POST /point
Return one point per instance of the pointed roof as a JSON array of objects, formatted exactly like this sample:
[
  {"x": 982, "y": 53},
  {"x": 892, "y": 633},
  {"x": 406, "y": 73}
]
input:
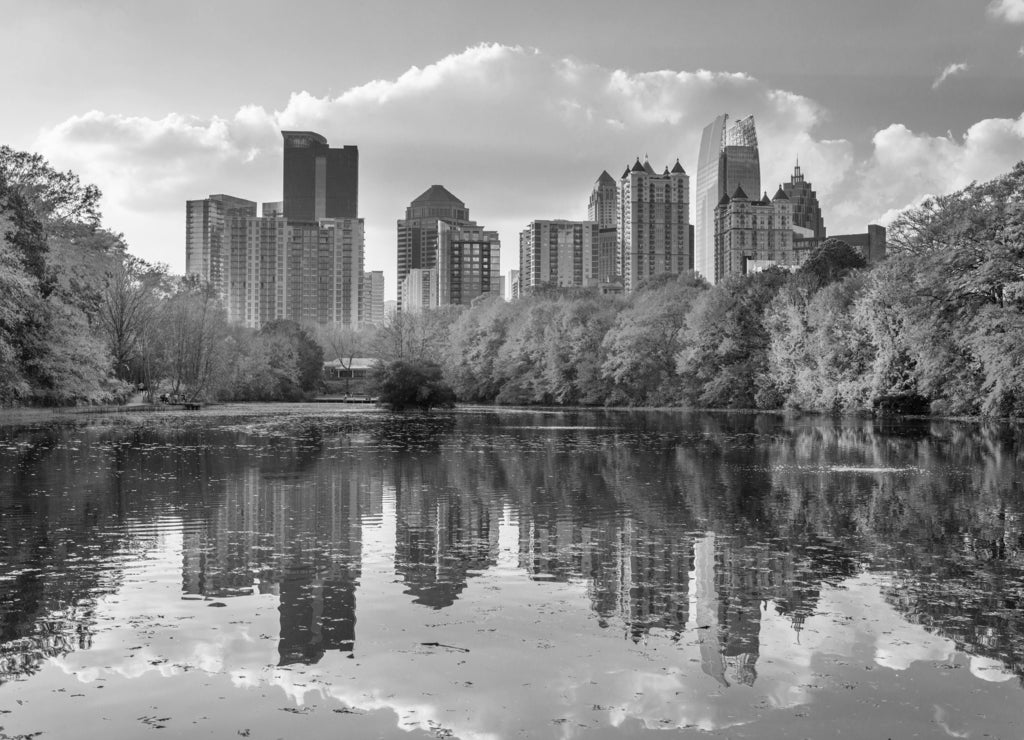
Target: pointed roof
[
  {"x": 780, "y": 194},
  {"x": 638, "y": 167},
  {"x": 666, "y": 170},
  {"x": 647, "y": 166},
  {"x": 678, "y": 168},
  {"x": 438, "y": 194},
  {"x": 605, "y": 179},
  {"x": 765, "y": 200},
  {"x": 626, "y": 173},
  {"x": 724, "y": 201},
  {"x": 739, "y": 193}
]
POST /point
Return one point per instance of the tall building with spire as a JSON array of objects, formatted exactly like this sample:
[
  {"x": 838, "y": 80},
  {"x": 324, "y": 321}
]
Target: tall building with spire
[
  {"x": 806, "y": 210},
  {"x": 653, "y": 223},
  {"x": 728, "y": 159}
]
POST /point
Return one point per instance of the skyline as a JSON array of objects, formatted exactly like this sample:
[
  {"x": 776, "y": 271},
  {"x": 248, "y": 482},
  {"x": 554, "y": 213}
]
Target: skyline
[{"x": 512, "y": 116}]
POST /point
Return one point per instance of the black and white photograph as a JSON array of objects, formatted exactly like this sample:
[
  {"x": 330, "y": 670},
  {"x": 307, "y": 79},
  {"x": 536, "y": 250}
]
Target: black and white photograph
[{"x": 512, "y": 369}]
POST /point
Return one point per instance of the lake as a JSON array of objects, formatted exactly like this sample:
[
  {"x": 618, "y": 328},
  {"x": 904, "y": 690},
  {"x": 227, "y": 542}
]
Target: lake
[{"x": 309, "y": 571}]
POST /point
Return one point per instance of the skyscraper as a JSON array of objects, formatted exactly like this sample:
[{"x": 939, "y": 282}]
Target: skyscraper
[
  {"x": 417, "y": 232},
  {"x": 371, "y": 310},
  {"x": 561, "y": 253},
  {"x": 206, "y": 238},
  {"x": 751, "y": 235},
  {"x": 806, "y": 210},
  {"x": 653, "y": 223},
  {"x": 319, "y": 182},
  {"x": 728, "y": 159},
  {"x": 468, "y": 263},
  {"x": 603, "y": 208}
]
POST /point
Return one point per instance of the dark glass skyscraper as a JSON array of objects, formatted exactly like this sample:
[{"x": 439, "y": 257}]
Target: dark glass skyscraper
[{"x": 319, "y": 182}]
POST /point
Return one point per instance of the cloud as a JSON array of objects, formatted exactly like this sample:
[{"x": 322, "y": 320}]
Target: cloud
[
  {"x": 1011, "y": 11},
  {"x": 949, "y": 71},
  {"x": 906, "y": 167},
  {"x": 517, "y": 133}
]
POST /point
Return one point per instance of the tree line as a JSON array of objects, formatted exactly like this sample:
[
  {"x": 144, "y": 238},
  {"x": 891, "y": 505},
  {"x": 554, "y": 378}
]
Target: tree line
[{"x": 941, "y": 320}]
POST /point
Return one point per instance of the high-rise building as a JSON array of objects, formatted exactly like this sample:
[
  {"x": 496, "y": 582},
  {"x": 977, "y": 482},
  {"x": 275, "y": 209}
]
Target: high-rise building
[
  {"x": 807, "y": 220},
  {"x": 513, "y": 285},
  {"x": 751, "y": 235},
  {"x": 560, "y": 253},
  {"x": 306, "y": 272},
  {"x": 372, "y": 308},
  {"x": 468, "y": 263},
  {"x": 603, "y": 209},
  {"x": 728, "y": 159},
  {"x": 417, "y": 232},
  {"x": 319, "y": 182},
  {"x": 653, "y": 223},
  {"x": 418, "y": 291},
  {"x": 206, "y": 238}
]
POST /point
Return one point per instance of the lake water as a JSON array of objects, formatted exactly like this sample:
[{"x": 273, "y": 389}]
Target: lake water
[{"x": 300, "y": 572}]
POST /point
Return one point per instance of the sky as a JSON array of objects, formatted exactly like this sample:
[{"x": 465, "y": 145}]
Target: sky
[{"x": 515, "y": 107}]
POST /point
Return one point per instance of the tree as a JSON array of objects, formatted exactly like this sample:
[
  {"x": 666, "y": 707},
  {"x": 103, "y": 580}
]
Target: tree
[
  {"x": 403, "y": 385},
  {"x": 127, "y": 308},
  {"x": 308, "y": 355},
  {"x": 55, "y": 197},
  {"x": 830, "y": 261}
]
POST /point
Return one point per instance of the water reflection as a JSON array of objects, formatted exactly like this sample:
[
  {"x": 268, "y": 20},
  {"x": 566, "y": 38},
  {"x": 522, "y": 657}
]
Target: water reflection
[{"x": 726, "y": 532}]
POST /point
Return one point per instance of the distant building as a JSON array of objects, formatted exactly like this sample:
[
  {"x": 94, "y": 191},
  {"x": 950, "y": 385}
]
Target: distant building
[
  {"x": 728, "y": 159},
  {"x": 418, "y": 291},
  {"x": 372, "y": 309},
  {"x": 306, "y": 272},
  {"x": 418, "y": 231},
  {"x": 206, "y": 237},
  {"x": 319, "y": 181},
  {"x": 468, "y": 263},
  {"x": 501, "y": 288},
  {"x": 751, "y": 235},
  {"x": 603, "y": 209},
  {"x": 560, "y": 253},
  {"x": 806, "y": 210},
  {"x": 513, "y": 282},
  {"x": 871, "y": 244},
  {"x": 653, "y": 223}
]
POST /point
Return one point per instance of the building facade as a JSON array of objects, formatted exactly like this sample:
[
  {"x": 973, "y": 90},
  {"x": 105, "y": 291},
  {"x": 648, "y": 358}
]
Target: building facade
[
  {"x": 319, "y": 181},
  {"x": 603, "y": 209},
  {"x": 418, "y": 291},
  {"x": 751, "y": 235},
  {"x": 653, "y": 223},
  {"x": 206, "y": 237},
  {"x": 305, "y": 272},
  {"x": 372, "y": 309},
  {"x": 728, "y": 159},
  {"x": 468, "y": 263},
  {"x": 559, "y": 253},
  {"x": 807, "y": 219},
  {"x": 418, "y": 231}
]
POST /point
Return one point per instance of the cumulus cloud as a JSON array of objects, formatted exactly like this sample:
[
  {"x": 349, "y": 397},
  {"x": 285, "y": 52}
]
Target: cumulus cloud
[
  {"x": 517, "y": 133},
  {"x": 906, "y": 167},
  {"x": 949, "y": 71},
  {"x": 1011, "y": 11}
]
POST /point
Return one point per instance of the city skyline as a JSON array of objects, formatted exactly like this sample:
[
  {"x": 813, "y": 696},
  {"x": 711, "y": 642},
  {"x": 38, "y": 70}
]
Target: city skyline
[{"x": 493, "y": 102}]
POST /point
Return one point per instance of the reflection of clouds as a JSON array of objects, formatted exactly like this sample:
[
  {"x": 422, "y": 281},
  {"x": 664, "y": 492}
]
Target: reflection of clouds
[{"x": 989, "y": 670}]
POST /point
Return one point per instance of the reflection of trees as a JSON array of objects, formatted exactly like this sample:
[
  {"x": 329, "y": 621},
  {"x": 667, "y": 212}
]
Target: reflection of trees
[{"x": 674, "y": 521}]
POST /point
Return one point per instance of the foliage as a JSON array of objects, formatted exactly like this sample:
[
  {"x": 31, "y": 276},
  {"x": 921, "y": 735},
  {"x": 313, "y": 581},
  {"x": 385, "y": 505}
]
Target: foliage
[
  {"x": 55, "y": 197},
  {"x": 403, "y": 385}
]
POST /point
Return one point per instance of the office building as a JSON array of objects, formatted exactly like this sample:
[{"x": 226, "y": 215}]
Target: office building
[
  {"x": 728, "y": 160},
  {"x": 206, "y": 237},
  {"x": 418, "y": 291},
  {"x": 372, "y": 307},
  {"x": 807, "y": 220},
  {"x": 558, "y": 253},
  {"x": 468, "y": 263},
  {"x": 417, "y": 232},
  {"x": 319, "y": 181},
  {"x": 603, "y": 209},
  {"x": 752, "y": 235},
  {"x": 653, "y": 223}
]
